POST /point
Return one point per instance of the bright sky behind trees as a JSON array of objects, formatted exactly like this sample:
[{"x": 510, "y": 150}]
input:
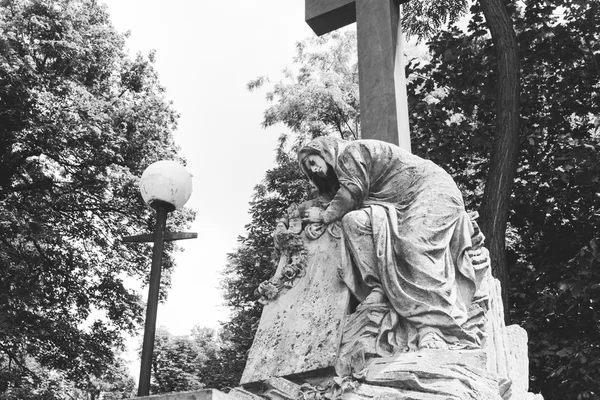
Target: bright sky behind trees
[{"x": 206, "y": 52}]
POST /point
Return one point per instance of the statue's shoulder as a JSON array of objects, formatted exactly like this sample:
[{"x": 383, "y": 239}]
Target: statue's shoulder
[{"x": 363, "y": 147}]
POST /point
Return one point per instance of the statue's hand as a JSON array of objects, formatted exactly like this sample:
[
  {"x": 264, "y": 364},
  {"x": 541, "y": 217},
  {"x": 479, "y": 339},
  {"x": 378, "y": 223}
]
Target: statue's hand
[
  {"x": 315, "y": 230},
  {"x": 313, "y": 215},
  {"x": 479, "y": 257}
]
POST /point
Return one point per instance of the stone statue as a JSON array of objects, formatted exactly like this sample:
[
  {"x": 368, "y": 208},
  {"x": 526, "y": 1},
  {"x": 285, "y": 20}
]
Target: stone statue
[
  {"x": 383, "y": 288},
  {"x": 410, "y": 251}
]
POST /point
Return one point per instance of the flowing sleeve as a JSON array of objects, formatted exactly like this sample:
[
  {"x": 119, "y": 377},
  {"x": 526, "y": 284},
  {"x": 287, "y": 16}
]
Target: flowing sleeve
[
  {"x": 353, "y": 169},
  {"x": 341, "y": 204}
]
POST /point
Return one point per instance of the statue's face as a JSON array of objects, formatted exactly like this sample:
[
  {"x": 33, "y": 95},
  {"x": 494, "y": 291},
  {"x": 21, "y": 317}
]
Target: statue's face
[{"x": 317, "y": 165}]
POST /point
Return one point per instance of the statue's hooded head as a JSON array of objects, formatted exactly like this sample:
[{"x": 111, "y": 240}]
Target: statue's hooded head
[{"x": 329, "y": 149}]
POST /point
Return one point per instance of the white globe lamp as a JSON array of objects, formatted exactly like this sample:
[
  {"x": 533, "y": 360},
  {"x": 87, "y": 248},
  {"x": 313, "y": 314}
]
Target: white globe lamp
[{"x": 167, "y": 182}]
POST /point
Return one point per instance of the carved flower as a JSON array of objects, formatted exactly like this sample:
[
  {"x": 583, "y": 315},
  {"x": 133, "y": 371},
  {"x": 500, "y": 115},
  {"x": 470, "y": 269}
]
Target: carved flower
[
  {"x": 268, "y": 291},
  {"x": 290, "y": 271}
]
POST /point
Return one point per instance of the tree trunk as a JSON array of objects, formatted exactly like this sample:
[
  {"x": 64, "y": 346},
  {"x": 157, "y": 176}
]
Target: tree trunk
[{"x": 504, "y": 157}]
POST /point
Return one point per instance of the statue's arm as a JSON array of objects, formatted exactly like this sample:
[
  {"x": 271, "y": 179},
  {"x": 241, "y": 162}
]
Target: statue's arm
[{"x": 341, "y": 204}]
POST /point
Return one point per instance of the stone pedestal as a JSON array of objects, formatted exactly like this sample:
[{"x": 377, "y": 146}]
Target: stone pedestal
[
  {"x": 204, "y": 394},
  {"x": 447, "y": 374},
  {"x": 506, "y": 346}
]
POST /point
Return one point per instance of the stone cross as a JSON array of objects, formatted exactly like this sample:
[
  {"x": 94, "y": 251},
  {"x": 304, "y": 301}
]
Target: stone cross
[{"x": 382, "y": 84}]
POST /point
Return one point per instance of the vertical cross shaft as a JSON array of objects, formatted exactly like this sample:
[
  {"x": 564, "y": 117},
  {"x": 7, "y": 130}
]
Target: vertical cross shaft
[{"x": 383, "y": 103}]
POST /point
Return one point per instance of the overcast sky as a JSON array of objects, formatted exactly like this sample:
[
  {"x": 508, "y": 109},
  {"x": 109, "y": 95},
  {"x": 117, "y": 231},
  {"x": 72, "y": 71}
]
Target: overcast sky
[{"x": 206, "y": 52}]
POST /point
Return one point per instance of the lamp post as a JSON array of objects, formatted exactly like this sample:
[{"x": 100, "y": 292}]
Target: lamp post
[{"x": 165, "y": 186}]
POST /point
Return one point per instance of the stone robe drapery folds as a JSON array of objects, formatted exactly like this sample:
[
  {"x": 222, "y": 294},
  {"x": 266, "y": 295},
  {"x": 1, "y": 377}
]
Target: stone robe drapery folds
[{"x": 407, "y": 234}]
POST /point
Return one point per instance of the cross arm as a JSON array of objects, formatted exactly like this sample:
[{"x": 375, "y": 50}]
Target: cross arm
[
  {"x": 324, "y": 16},
  {"x": 168, "y": 236}
]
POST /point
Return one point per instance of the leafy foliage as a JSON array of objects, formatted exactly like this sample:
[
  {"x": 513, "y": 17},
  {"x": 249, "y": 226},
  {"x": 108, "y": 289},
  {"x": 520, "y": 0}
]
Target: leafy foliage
[
  {"x": 425, "y": 18},
  {"x": 114, "y": 383},
  {"x": 79, "y": 121},
  {"x": 557, "y": 190},
  {"x": 180, "y": 363},
  {"x": 322, "y": 97}
]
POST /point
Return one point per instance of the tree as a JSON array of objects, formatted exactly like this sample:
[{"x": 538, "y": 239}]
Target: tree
[
  {"x": 187, "y": 362},
  {"x": 174, "y": 362},
  {"x": 79, "y": 121},
  {"x": 504, "y": 155},
  {"x": 322, "y": 98},
  {"x": 115, "y": 383},
  {"x": 555, "y": 211},
  {"x": 424, "y": 19}
]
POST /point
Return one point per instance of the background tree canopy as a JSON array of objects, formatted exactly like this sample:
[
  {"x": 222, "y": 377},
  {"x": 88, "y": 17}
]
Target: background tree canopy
[
  {"x": 79, "y": 122},
  {"x": 181, "y": 362},
  {"x": 552, "y": 237}
]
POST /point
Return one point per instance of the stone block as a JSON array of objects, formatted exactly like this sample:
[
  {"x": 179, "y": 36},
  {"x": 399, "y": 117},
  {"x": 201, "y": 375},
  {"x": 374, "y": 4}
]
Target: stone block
[
  {"x": 204, "y": 394},
  {"x": 496, "y": 341},
  {"x": 372, "y": 392},
  {"x": 280, "y": 389},
  {"x": 517, "y": 357},
  {"x": 532, "y": 396},
  {"x": 242, "y": 394},
  {"x": 427, "y": 358},
  {"x": 448, "y": 374},
  {"x": 301, "y": 329}
]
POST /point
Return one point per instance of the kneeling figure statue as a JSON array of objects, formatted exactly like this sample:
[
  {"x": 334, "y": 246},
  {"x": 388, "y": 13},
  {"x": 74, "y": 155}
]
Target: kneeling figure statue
[{"x": 408, "y": 245}]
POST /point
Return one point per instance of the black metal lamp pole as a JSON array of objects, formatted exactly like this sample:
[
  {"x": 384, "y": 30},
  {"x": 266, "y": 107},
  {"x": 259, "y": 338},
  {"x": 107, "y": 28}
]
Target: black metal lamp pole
[
  {"x": 158, "y": 237},
  {"x": 165, "y": 186},
  {"x": 155, "y": 272}
]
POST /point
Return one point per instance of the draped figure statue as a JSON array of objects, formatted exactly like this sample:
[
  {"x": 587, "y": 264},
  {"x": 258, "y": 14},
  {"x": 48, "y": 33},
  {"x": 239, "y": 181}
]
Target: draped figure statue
[{"x": 406, "y": 237}]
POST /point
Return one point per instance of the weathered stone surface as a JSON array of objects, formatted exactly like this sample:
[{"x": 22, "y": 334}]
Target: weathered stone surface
[
  {"x": 280, "y": 389},
  {"x": 517, "y": 358},
  {"x": 506, "y": 348},
  {"x": 300, "y": 330},
  {"x": 456, "y": 374},
  {"x": 380, "y": 115},
  {"x": 242, "y": 394},
  {"x": 359, "y": 341},
  {"x": 372, "y": 392},
  {"x": 411, "y": 243},
  {"x": 531, "y": 396},
  {"x": 434, "y": 357},
  {"x": 495, "y": 345},
  {"x": 205, "y": 394}
]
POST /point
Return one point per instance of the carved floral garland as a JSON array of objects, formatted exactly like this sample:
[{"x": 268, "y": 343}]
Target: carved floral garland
[{"x": 290, "y": 246}]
